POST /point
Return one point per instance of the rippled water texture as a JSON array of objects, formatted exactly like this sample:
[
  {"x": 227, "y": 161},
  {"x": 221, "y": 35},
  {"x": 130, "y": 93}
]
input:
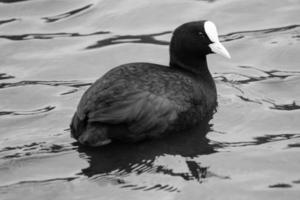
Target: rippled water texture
[{"x": 52, "y": 50}]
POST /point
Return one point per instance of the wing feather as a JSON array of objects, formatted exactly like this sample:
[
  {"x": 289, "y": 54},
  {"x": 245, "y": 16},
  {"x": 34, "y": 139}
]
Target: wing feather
[{"x": 142, "y": 111}]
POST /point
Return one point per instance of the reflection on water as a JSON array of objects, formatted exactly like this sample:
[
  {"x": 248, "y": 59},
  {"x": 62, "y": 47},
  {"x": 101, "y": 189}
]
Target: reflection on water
[
  {"x": 65, "y": 15},
  {"x": 260, "y": 140},
  {"x": 11, "y": 1},
  {"x": 140, "y": 159},
  {"x": 5, "y": 76},
  {"x": 48, "y": 35},
  {"x": 257, "y": 33},
  {"x": 114, "y": 163},
  {"x": 74, "y": 84},
  {"x": 7, "y": 21},
  {"x": 51, "y": 51},
  {"x": 32, "y": 112},
  {"x": 146, "y": 39},
  {"x": 241, "y": 79}
]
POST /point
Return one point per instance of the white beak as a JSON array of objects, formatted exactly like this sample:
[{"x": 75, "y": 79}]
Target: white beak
[{"x": 218, "y": 48}]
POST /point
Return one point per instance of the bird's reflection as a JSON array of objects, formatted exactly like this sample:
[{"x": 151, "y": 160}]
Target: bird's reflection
[{"x": 120, "y": 160}]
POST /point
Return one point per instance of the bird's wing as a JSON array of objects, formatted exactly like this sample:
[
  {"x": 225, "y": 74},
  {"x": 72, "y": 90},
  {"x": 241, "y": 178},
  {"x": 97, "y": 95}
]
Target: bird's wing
[{"x": 142, "y": 111}]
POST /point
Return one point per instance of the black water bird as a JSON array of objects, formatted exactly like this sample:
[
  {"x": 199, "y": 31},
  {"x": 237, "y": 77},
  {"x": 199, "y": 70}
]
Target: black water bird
[{"x": 136, "y": 101}]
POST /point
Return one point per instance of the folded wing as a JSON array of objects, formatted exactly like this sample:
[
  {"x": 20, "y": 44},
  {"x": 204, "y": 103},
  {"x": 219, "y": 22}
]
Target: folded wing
[{"x": 142, "y": 111}]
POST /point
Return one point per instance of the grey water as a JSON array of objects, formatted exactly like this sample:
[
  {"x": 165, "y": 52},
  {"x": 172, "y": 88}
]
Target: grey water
[{"x": 51, "y": 51}]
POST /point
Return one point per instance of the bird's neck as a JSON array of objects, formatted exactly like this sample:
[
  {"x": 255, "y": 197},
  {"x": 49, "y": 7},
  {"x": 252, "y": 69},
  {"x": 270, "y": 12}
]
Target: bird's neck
[
  {"x": 204, "y": 84},
  {"x": 197, "y": 66}
]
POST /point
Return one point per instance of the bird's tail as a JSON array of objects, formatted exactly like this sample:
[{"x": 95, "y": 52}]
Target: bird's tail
[{"x": 77, "y": 126}]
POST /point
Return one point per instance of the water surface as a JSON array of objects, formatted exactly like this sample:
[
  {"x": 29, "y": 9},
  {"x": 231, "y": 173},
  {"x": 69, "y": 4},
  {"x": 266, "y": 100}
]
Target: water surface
[{"x": 51, "y": 51}]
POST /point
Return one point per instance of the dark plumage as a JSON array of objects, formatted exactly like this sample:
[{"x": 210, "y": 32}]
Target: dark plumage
[{"x": 143, "y": 100}]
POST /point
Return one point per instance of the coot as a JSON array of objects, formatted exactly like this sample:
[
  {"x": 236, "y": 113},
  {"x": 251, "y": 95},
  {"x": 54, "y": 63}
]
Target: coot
[{"x": 135, "y": 101}]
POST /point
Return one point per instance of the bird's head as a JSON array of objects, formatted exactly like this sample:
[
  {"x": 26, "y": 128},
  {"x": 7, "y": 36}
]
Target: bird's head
[{"x": 194, "y": 40}]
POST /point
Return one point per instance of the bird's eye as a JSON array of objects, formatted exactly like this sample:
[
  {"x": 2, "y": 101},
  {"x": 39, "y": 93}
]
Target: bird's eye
[{"x": 201, "y": 35}]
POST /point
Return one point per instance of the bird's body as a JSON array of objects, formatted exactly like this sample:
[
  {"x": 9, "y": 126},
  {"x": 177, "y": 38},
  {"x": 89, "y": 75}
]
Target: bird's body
[
  {"x": 148, "y": 100},
  {"x": 143, "y": 100}
]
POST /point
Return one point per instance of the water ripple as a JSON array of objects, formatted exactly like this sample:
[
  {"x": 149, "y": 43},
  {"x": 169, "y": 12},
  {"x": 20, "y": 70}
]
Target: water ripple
[
  {"x": 166, "y": 187},
  {"x": 258, "y": 140},
  {"x": 242, "y": 34},
  {"x": 34, "y": 149},
  {"x": 280, "y": 185},
  {"x": 210, "y": 1},
  {"x": 150, "y": 38},
  {"x": 235, "y": 80},
  {"x": 44, "y": 36},
  {"x": 5, "y": 76},
  {"x": 246, "y": 79},
  {"x": 294, "y": 145},
  {"x": 66, "y": 14},
  {"x": 146, "y": 39},
  {"x": 11, "y": 1},
  {"x": 285, "y": 107},
  {"x": 7, "y": 21},
  {"x": 31, "y": 112},
  {"x": 111, "y": 179},
  {"x": 21, "y": 183},
  {"x": 26, "y": 146},
  {"x": 75, "y": 83}
]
